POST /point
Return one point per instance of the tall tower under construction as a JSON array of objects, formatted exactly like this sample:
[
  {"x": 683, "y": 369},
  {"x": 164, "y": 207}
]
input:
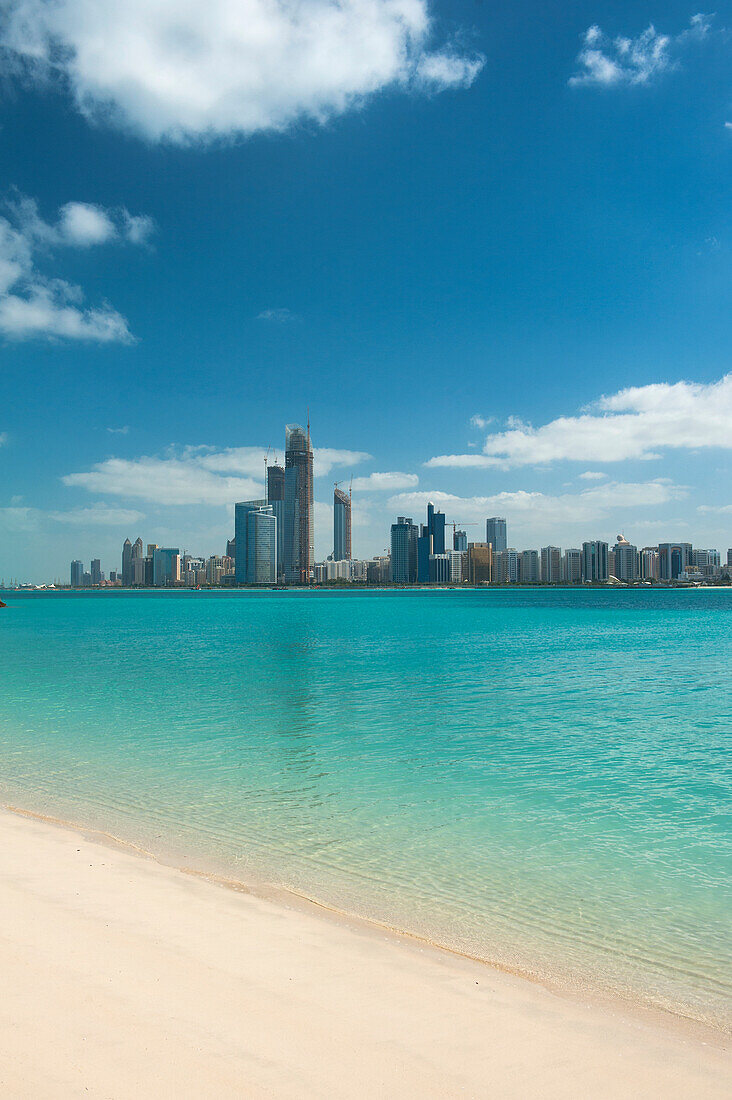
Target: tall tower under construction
[
  {"x": 341, "y": 525},
  {"x": 299, "y": 547}
]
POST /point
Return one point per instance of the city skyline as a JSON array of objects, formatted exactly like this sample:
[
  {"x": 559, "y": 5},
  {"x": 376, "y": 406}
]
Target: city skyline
[{"x": 492, "y": 259}]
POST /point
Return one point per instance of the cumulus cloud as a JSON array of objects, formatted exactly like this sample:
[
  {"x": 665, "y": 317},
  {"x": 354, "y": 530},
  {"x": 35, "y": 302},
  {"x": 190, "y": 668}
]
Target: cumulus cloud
[
  {"x": 98, "y": 515},
  {"x": 35, "y": 305},
  {"x": 538, "y": 508},
  {"x": 716, "y": 509},
  {"x": 389, "y": 480},
  {"x": 195, "y": 474},
  {"x": 613, "y": 61},
  {"x": 634, "y": 423},
  {"x": 200, "y": 72},
  {"x": 592, "y": 475}
]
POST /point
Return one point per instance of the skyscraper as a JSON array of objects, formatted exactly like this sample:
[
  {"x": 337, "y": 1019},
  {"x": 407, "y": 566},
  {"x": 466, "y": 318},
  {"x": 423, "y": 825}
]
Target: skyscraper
[
  {"x": 594, "y": 562},
  {"x": 341, "y": 525},
  {"x": 96, "y": 571},
  {"x": 572, "y": 566},
  {"x": 166, "y": 566},
  {"x": 673, "y": 558},
  {"x": 495, "y": 533},
  {"x": 127, "y": 563},
  {"x": 626, "y": 560},
  {"x": 77, "y": 573},
  {"x": 256, "y": 542},
  {"x": 276, "y": 500},
  {"x": 551, "y": 564},
  {"x": 460, "y": 541},
  {"x": 403, "y": 551},
  {"x": 299, "y": 549}
]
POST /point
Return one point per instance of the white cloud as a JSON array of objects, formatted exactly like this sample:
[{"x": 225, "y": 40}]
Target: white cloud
[
  {"x": 592, "y": 475},
  {"x": 32, "y": 304},
  {"x": 119, "y": 431},
  {"x": 480, "y": 421},
  {"x": 192, "y": 72},
  {"x": 18, "y": 519},
  {"x": 98, "y": 515},
  {"x": 194, "y": 475},
  {"x": 632, "y": 424},
  {"x": 720, "y": 510},
  {"x": 325, "y": 458},
  {"x": 3, "y": 438},
  {"x": 389, "y": 480},
  {"x": 624, "y": 60},
  {"x": 168, "y": 480},
  {"x": 543, "y": 509},
  {"x": 280, "y": 315}
]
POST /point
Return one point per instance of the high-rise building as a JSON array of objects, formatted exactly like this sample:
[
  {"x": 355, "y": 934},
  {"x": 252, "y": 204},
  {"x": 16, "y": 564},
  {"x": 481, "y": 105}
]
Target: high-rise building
[
  {"x": 341, "y": 525},
  {"x": 431, "y": 541},
  {"x": 495, "y": 533},
  {"x": 404, "y": 551},
  {"x": 137, "y": 551},
  {"x": 276, "y": 500},
  {"x": 77, "y": 573},
  {"x": 440, "y": 568},
  {"x": 256, "y": 542},
  {"x": 626, "y": 560},
  {"x": 479, "y": 569},
  {"x": 299, "y": 548},
  {"x": 126, "y": 563},
  {"x": 594, "y": 562},
  {"x": 673, "y": 558},
  {"x": 572, "y": 566},
  {"x": 460, "y": 541},
  {"x": 551, "y": 565},
  {"x": 708, "y": 562},
  {"x": 231, "y": 549},
  {"x": 436, "y": 528},
  {"x": 96, "y": 571},
  {"x": 648, "y": 563},
  {"x": 166, "y": 566},
  {"x": 529, "y": 570}
]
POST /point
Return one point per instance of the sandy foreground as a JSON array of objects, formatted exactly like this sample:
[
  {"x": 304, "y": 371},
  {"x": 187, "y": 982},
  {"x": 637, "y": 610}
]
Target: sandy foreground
[{"x": 125, "y": 978}]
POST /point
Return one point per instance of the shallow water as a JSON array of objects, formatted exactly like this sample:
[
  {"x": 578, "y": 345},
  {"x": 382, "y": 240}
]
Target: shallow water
[{"x": 537, "y": 777}]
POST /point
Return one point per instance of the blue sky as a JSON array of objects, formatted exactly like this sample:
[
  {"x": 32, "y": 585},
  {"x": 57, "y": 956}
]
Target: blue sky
[{"x": 457, "y": 233}]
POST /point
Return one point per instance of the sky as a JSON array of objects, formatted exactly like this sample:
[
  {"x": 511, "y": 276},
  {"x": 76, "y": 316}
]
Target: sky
[{"x": 486, "y": 246}]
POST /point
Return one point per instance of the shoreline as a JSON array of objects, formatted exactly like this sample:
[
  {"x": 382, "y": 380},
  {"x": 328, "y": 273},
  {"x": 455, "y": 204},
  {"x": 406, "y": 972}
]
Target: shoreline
[
  {"x": 149, "y": 907},
  {"x": 630, "y": 1004}
]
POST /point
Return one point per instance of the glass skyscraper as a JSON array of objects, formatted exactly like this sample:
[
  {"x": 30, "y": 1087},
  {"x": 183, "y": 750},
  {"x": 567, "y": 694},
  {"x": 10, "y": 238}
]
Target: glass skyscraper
[
  {"x": 255, "y": 527},
  {"x": 404, "y": 551},
  {"x": 299, "y": 548},
  {"x": 495, "y": 533},
  {"x": 341, "y": 525},
  {"x": 276, "y": 500}
]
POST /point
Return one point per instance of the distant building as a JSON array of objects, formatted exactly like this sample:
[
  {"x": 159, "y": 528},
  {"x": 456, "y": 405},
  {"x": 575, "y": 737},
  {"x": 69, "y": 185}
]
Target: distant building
[
  {"x": 551, "y": 565},
  {"x": 96, "y": 571},
  {"x": 495, "y": 533},
  {"x": 276, "y": 500},
  {"x": 256, "y": 543},
  {"x": 404, "y": 551},
  {"x": 707, "y": 562},
  {"x": 166, "y": 566},
  {"x": 479, "y": 565},
  {"x": 457, "y": 558},
  {"x": 572, "y": 566},
  {"x": 511, "y": 568},
  {"x": 77, "y": 574},
  {"x": 231, "y": 549},
  {"x": 626, "y": 565},
  {"x": 673, "y": 558},
  {"x": 529, "y": 572},
  {"x": 126, "y": 563},
  {"x": 378, "y": 570},
  {"x": 439, "y": 568},
  {"x": 648, "y": 563},
  {"x": 460, "y": 541},
  {"x": 341, "y": 525},
  {"x": 594, "y": 562},
  {"x": 86, "y": 580},
  {"x": 299, "y": 553}
]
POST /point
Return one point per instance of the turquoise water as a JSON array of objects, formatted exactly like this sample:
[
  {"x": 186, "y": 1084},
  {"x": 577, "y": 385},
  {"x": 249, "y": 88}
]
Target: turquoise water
[{"x": 540, "y": 778}]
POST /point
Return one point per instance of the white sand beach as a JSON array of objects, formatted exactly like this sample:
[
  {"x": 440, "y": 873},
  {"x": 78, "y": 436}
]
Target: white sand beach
[{"x": 126, "y": 978}]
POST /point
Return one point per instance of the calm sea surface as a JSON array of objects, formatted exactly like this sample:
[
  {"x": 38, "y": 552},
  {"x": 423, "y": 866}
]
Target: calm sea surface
[{"x": 538, "y": 777}]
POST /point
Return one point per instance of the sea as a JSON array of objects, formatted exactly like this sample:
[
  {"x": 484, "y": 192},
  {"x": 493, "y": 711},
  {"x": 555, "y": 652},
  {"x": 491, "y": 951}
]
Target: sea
[{"x": 539, "y": 778}]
